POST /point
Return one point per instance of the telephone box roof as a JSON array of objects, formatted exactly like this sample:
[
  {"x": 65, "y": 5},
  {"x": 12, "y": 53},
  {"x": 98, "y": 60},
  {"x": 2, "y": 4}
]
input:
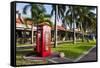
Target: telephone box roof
[{"x": 44, "y": 23}]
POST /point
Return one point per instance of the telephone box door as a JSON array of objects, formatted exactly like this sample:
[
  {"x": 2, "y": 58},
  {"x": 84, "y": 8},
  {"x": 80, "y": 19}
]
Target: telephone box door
[{"x": 43, "y": 41}]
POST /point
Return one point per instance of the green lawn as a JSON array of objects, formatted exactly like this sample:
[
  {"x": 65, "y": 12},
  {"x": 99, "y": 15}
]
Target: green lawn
[
  {"x": 73, "y": 51},
  {"x": 70, "y": 50}
]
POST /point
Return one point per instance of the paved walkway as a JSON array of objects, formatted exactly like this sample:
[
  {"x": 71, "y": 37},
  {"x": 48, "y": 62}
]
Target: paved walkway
[
  {"x": 53, "y": 58},
  {"x": 91, "y": 56}
]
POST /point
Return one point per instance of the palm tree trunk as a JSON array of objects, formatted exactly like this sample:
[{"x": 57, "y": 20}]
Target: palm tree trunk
[
  {"x": 55, "y": 27},
  {"x": 74, "y": 36},
  {"x": 32, "y": 35},
  {"x": 73, "y": 20},
  {"x": 82, "y": 36},
  {"x": 82, "y": 33}
]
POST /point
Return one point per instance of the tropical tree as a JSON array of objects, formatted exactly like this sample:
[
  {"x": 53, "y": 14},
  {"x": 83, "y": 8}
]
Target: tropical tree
[
  {"x": 71, "y": 17},
  {"x": 81, "y": 16},
  {"x": 37, "y": 14},
  {"x": 86, "y": 19},
  {"x": 58, "y": 12}
]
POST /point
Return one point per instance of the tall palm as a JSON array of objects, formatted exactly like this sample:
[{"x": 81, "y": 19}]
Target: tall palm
[
  {"x": 36, "y": 11},
  {"x": 86, "y": 18},
  {"x": 59, "y": 13},
  {"x": 71, "y": 17},
  {"x": 82, "y": 16}
]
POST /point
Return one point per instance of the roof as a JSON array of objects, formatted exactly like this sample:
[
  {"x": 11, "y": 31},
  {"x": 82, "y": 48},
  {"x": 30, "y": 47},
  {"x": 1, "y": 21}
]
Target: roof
[
  {"x": 20, "y": 22},
  {"x": 59, "y": 28},
  {"x": 44, "y": 23}
]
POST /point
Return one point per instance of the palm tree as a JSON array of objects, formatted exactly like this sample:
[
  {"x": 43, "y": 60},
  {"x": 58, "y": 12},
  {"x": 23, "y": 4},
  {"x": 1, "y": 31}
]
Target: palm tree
[
  {"x": 82, "y": 16},
  {"x": 59, "y": 14},
  {"x": 71, "y": 17},
  {"x": 36, "y": 11},
  {"x": 86, "y": 18}
]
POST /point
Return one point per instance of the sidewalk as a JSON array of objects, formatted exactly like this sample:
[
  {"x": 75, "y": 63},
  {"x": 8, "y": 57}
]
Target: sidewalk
[
  {"x": 91, "y": 56},
  {"x": 53, "y": 58}
]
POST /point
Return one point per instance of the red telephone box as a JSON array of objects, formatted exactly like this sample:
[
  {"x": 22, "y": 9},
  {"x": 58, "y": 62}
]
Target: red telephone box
[{"x": 43, "y": 40}]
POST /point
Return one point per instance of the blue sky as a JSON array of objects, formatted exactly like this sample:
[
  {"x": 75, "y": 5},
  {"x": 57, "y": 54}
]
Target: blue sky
[{"x": 20, "y": 6}]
